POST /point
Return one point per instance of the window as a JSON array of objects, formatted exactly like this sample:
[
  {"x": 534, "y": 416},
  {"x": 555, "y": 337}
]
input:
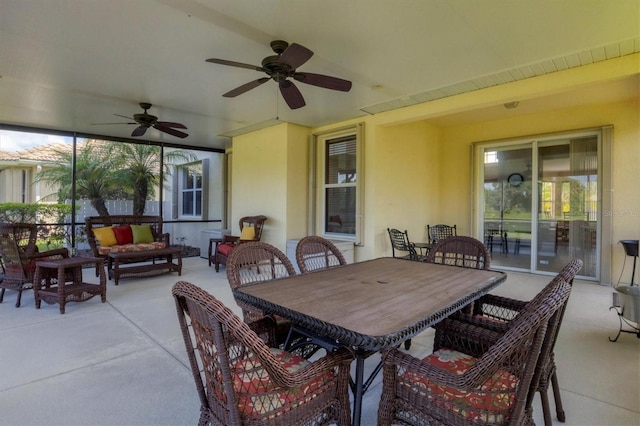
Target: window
[
  {"x": 547, "y": 199},
  {"x": 340, "y": 185},
  {"x": 339, "y": 173},
  {"x": 191, "y": 189},
  {"x": 490, "y": 157},
  {"x": 23, "y": 186}
]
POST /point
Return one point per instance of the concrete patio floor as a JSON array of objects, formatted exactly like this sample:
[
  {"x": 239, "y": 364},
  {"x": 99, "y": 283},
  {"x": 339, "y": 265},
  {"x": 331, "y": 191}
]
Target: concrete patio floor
[{"x": 124, "y": 363}]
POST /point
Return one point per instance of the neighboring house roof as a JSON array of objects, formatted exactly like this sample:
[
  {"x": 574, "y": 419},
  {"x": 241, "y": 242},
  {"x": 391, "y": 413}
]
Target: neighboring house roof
[{"x": 43, "y": 153}]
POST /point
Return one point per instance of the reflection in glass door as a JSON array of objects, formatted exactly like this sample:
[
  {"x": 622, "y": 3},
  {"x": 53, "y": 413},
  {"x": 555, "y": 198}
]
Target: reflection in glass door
[
  {"x": 564, "y": 224},
  {"x": 507, "y": 206},
  {"x": 568, "y": 204}
]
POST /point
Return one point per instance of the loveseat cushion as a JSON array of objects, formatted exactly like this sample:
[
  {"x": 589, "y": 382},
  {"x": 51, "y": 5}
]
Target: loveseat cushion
[{"x": 156, "y": 245}]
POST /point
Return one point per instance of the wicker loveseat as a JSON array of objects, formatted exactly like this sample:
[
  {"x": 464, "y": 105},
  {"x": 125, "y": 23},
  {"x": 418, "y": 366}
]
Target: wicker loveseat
[{"x": 132, "y": 239}]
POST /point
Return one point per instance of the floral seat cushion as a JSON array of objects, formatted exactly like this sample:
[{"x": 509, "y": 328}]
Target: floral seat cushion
[
  {"x": 259, "y": 396},
  {"x": 157, "y": 245},
  {"x": 490, "y": 403}
]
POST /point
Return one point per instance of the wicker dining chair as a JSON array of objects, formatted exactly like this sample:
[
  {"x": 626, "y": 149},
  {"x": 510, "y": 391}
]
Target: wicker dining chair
[
  {"x": 439, "y": 232},
  {"x": 453, "y": 387},
  {"x": 240, "y": 380},
  {"x": 400, "y": 243},
  {"x": 466, "y": 252},
  {"x": 19, "y": 254},
  {"x": 496, "y": 313},
  {"x": 314, "y": 252},
  {"x": 460, "y": 251},
  {"x": 254, "y": 262}
]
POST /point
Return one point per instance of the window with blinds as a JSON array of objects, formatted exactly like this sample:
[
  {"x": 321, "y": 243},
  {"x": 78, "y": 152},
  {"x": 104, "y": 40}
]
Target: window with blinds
[{"x": 340, "y": 190}]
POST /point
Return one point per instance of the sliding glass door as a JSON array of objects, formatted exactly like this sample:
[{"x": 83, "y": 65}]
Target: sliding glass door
[
  {"x": 539, "y": 203},
  {"x": 508, "y": 201}
]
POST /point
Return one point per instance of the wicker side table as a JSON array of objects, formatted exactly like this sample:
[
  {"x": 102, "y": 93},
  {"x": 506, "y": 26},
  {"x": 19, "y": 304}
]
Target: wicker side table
[{"x": 69, "y": 287}]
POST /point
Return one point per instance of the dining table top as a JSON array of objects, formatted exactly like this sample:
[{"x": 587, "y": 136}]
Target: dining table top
[{"x": 373, "y": 304}]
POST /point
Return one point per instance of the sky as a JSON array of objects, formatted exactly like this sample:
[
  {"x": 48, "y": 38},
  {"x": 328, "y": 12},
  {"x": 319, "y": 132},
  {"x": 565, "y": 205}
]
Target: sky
[{"x": 18, "y": 141}]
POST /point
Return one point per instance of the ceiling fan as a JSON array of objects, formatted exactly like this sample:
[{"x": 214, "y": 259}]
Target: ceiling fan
[
  {"x": 145, "y": 120},
  {"x": 280, "y": 68}
]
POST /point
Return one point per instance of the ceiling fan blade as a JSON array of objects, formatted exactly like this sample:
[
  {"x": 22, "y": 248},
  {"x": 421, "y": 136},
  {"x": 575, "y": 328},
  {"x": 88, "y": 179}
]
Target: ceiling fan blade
[
  {"x": 124, "y": 116},
  {"x": 170, "y": 124},
  {"x": 101, "y": 124},
  {"x": 295, "y": 55},
  {"x": 324, "y": 81},
  {"x": 291, "y": 95},
  {"x": 246, "y": 87},
  {"x": 234, "y": 64},
  {"x": 139, "y": 131},
  {"x": 169, "y": 130}
]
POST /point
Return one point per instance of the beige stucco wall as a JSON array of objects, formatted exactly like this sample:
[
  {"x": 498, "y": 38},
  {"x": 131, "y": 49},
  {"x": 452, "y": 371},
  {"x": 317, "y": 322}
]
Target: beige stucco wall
[
  {"x": 297, "y": 170},
  {"x": 403, "y": 188},
  {"x": 417, "y": 160},
  {"x": 270, "y": 177}
]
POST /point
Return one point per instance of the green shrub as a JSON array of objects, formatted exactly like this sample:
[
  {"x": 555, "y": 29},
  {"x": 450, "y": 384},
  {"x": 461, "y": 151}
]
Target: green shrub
[{"x": 52, "y": 233}]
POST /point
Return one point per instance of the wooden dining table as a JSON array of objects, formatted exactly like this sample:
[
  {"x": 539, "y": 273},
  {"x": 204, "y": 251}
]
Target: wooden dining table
[{"x": 372, "y": 305}]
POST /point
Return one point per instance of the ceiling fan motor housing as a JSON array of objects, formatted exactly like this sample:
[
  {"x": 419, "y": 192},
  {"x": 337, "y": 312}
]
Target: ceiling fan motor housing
[
  {"x": 145, "y": 120},
  {"x": 276, "y": 70}
]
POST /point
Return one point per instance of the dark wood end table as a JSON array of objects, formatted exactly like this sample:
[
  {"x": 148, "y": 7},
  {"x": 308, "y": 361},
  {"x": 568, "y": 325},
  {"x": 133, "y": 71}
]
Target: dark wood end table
[
  {"x": 69, "y": 286},
  {"x": 213, "y": 247}
]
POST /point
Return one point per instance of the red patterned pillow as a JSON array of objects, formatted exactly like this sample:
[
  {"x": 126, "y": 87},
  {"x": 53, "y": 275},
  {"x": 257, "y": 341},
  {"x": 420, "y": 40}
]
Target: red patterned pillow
[
  {"x": 123, "y": 234},
  {"x": 257, "y": 394},
  {"x": 490, "y": 403}
]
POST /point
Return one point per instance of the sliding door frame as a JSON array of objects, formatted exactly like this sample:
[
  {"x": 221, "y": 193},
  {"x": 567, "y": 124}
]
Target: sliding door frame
[{"x": 604, "y": 220}]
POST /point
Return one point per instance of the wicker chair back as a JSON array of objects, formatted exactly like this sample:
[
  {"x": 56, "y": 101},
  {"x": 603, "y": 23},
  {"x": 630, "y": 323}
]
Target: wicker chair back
[
  {"x": 254, "y": 262},
  {"x": 314, "y": 252},
  {"x": 460, "y": 251}
]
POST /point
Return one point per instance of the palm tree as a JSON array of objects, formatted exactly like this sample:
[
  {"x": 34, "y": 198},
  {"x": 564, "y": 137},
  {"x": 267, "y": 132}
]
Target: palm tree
[
  {"x": 96, "y": 176},
  {"x": 140, "y": 173}
]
